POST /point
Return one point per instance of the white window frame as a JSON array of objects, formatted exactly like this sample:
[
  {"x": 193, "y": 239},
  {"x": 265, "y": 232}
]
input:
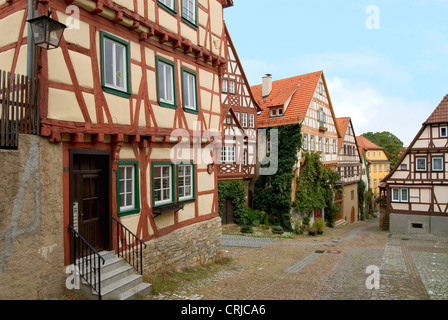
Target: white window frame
[
  {"x": 335, "y": 146},
  {"x": 443, "y": 134},
  {"x": 189, "y": 11},
  {"x": 327, "y": 145},
  {"x": 232, "y": 87},
  {"x": 115, "y": 45},
  {"x": 224, "y": 86},
  {"x": 312, "y": 143},
  {"x": 244, "y": 120},
  {"x": 165, "y": 82},
  {"x": 417, "y": 164},
  {"x": 162, "y": 177},
  {"x": 228, "y": 154},
  {"x": 182, "y": 182},
  {"x": 124, "y": 192},
  {"x": 442, "y": 160},
  {"x": 251, "y": 121},
  {"x": 189, "y": 89},
  {"x": 400, "y": 195},
  {"x": 305, "y": 142},
  {"x": 169, "y": 4}
]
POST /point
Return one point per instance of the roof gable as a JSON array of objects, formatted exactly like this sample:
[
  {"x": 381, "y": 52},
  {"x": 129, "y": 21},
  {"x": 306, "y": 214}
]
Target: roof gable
[
  {"x": 297, "y": 92},
  {"x": 440, "y": 114}
]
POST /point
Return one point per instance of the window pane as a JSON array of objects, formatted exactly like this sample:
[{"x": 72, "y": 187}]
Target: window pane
[
  {"x": 395, "y": 195},
  {"x": 120, "y": 67},
  {"x": 421, "y": 164},
  {"x": 404, "y": 195},
  {"x": 437, "y": 164},
  {"x": 108, "y": 62}
]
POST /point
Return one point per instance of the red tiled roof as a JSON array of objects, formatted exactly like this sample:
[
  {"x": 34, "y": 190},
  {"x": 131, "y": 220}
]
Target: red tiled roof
[
  {"x": 440, "y": 114},
  {"x": 342, "y": 124},
  {"x": 367, "y": 144},
  {"x": 300, "y": 89}
]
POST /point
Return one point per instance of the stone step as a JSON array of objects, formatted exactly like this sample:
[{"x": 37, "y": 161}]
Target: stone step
[{"x": 118, "y": 280}]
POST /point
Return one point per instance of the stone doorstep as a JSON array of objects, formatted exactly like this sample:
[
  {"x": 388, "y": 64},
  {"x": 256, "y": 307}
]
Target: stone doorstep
[{"x": 118, "y": 280}]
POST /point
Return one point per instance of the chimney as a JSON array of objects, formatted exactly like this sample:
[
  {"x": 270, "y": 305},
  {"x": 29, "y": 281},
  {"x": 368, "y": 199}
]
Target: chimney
[{"x": 267, "y": 85}]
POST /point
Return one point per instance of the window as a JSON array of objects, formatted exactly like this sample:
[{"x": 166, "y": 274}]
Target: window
[
  {"x": 273, "y": 112},
  {"x": 228, "y": 154},
  {"x": 305, "y": 142},
  {"x": 437, "y": 163},
  {"x": 400, "y": 195},
  {"x": 244, "y": 120},
  {"x": 162, "y": 183},
  {"x": 115, "y": 65},
  {"x": 128, "y": 195},
  {"x": 321, "y": 117},
  {"x": 380, "y": 154},
  {"x": 320, "y": 144},
  {"x": 185, "y": 182},
  {"x": 245, "y": 158},
  {"x": 280, "y": 112},
  {"x": 189, "y": 12},
  {"x": 380, "y": 167},
  {"x": 170, "y": 5},
  {"x": 165, "y": 83},
  {"x": 224, "y": 86},
  {"x": 237, "y": 115},
  {"x": 374, "y": 168},
  {"x": 374, "y": 154},
  {"x": 231, "y": 86},
  {"x": 368, "y": 154},
  {"x": 443, "y": 132},
  {"x": 189, "y": 91},
  {"x": 312, "y": 144},
  {"x": 335, "y": 146},
  {"x": 404, "y": 167},
  {"x": 251, "y": 121},
  {"x": 420, "y": 164}
]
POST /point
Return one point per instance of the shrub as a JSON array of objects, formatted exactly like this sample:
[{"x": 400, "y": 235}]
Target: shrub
[{"x": 319, "y": 224}]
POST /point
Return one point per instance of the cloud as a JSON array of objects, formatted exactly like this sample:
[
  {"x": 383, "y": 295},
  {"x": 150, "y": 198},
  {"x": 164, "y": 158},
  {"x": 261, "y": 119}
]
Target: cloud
[{"x": 372, "y": 111}]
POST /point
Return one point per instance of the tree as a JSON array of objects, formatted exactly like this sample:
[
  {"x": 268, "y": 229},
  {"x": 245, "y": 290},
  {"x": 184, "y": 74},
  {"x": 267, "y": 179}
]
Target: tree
[{"x": 389, "y": 142}]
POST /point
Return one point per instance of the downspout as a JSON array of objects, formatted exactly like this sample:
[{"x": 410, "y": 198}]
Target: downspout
[{"x": 31, "y": 72}]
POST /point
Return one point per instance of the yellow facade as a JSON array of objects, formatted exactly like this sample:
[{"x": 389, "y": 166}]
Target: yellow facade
[{"x": 379, "y": 168}]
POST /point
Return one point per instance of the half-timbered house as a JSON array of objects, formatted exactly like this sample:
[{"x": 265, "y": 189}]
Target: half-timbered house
[
  {"x": 129, "y": 105},
  {"x": 303, "y": 99},
  {"x": 349, "y": 168},
  {"x": 238, "y": 156},
  {"x": 417, "y": 187}
]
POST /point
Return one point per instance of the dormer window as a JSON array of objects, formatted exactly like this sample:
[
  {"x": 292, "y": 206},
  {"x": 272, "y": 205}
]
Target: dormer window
[
  {"x": 280, "y": 112},
  {"x": 273, "y": 112}
]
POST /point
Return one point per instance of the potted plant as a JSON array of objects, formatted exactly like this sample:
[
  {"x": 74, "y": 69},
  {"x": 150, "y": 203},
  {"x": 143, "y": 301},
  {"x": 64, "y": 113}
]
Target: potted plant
[
  {"x": 277, "y": 230},
  {"x": 311, "y": 230},
  {"x": 319, "y": 225},
  {"x": 305, "y": 223}
]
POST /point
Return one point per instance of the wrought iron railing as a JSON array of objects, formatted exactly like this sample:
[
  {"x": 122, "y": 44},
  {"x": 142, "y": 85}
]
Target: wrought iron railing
[
  {"x": 87, "y": 261},
  {"x": 129, "y": 246},
  {"x": 19, "y": 108}
]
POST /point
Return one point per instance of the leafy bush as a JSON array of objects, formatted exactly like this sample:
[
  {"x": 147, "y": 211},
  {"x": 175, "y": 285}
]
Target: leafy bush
[{"x": 319, "y": 224}]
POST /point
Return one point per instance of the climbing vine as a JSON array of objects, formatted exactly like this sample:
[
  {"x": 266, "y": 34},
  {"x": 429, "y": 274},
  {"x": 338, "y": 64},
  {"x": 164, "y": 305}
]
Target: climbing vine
[
  {"x": 273, "y": 193},
  {"x": 316, "y": 186},
  {"x": 233, "y": 190}
]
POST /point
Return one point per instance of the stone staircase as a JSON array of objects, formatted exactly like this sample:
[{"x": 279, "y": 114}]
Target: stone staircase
[
  {"x": 386, "y": 223},
  {"x": 119, "y": 281},
  {"x": 340, "y": 222}
]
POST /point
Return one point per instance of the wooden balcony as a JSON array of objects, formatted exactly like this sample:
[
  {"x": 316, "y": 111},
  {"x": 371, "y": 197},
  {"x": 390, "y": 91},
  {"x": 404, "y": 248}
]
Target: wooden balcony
[{"x": 19, "y": 108}]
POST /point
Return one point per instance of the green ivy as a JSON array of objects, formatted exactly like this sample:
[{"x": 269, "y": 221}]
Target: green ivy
[
  {"x": 316, "y": 186},
  {"x": 234, "y": 190},
  {"x": 273, "y": 193}
]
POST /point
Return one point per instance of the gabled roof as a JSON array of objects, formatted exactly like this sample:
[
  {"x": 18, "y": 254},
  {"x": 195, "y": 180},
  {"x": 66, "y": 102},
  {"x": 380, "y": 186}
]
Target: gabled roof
[
  {"x": 299, "y": 89},
  {"x": 366, "y": 144},
  {"x": 342, "y": 124},
  {"x": 440, "y": 114}
]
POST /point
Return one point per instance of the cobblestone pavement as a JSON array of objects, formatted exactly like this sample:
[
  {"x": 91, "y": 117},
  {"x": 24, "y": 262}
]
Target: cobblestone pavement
[{"x": 333, "y": 266}]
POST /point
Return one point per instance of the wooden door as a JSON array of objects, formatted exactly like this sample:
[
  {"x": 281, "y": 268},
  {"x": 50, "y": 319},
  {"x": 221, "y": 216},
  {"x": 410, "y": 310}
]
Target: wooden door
[
  {"x": 90, "y": 198},
  {"x": 227, "y": 214}
]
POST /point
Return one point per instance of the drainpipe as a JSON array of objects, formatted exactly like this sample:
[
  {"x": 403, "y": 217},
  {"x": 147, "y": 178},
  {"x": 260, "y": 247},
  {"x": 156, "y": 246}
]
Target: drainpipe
[{"x": 31, "y": 72}]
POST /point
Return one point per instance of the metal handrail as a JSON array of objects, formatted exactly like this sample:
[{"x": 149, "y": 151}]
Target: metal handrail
[
  {"x": 89, "y": 261},
  {"x": 129, "y": 241}
]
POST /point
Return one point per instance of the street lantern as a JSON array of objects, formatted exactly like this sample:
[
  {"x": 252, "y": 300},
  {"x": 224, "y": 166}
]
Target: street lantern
[{"x": 47, "y": 33}]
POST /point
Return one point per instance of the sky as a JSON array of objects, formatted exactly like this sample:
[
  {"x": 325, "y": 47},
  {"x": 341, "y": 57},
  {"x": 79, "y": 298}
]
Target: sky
[{"x": 385, "y": 62}]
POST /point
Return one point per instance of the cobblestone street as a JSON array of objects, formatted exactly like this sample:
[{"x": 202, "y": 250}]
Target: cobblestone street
[{"x": 331, "y": 267}]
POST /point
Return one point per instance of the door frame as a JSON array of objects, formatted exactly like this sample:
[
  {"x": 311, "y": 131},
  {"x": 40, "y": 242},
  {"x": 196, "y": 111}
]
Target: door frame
[{"x": 107, "y": 224}]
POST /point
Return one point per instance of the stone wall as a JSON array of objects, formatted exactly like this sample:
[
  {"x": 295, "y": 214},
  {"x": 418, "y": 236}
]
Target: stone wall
[
  {"x": 189, "y": 247},
  {"x": 31, "y": 220}
]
